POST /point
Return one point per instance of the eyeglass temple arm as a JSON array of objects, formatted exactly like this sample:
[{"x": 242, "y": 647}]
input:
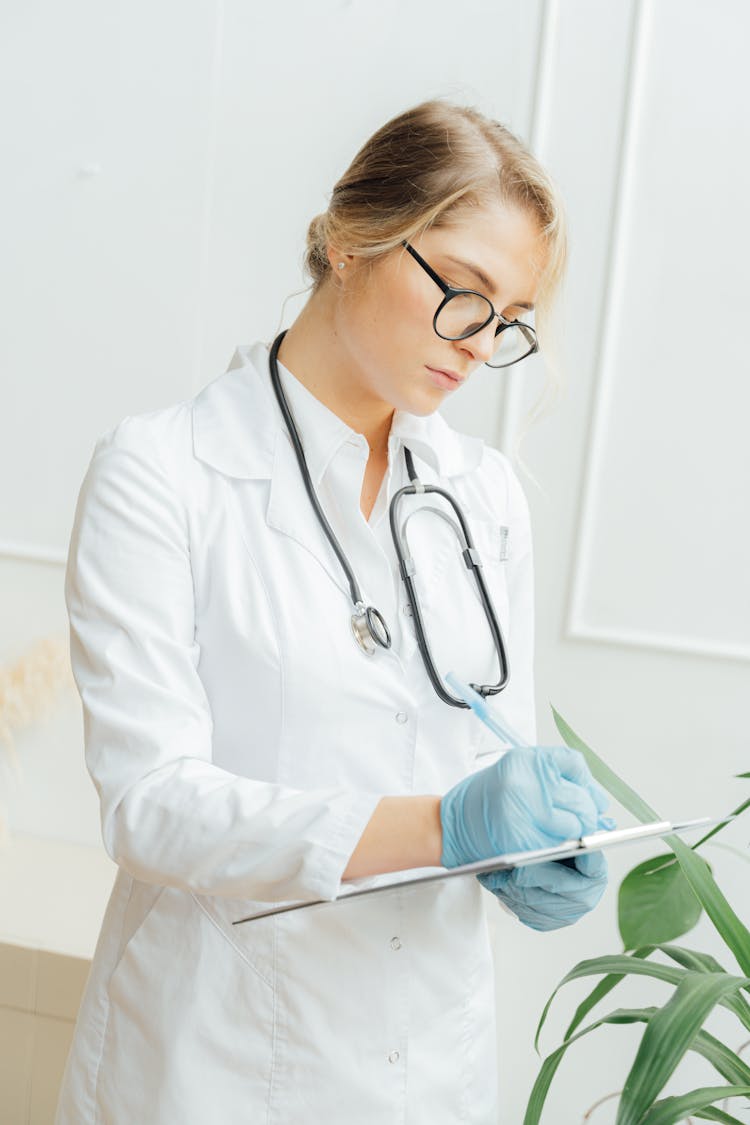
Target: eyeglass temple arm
[{"x": 426, "y": 266}]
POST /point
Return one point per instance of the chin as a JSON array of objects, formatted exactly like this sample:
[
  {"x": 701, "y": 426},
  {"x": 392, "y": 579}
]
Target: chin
[{"x": 424, "y": 405}]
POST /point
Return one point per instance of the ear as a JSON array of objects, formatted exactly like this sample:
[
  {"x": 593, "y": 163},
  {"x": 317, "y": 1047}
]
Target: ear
[{"x": 335, "y": 256}]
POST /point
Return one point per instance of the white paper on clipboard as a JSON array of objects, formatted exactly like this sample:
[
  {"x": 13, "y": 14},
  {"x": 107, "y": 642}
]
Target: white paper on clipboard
[{"x": 596, "y": 841}]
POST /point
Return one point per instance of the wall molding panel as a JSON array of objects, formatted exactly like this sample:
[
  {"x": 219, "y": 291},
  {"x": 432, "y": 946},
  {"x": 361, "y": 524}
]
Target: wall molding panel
[{"x": 583, "y": 620}]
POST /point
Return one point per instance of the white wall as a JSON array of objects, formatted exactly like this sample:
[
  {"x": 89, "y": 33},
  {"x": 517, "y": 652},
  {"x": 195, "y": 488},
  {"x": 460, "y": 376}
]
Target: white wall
[{"x": 161, "y": 165}]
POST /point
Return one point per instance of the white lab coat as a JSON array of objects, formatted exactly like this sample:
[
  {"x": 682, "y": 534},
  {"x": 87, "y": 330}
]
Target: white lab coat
[{"x": 239, "y": 741}]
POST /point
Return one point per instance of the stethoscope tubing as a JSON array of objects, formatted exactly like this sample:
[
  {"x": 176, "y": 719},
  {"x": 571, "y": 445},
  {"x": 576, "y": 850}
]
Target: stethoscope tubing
[
  {"x": 367, "y": 619},
  {"x": 300, "y": 454}
]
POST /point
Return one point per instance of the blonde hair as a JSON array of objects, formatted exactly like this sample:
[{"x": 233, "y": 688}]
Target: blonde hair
[{"x": 425, "y": 168}]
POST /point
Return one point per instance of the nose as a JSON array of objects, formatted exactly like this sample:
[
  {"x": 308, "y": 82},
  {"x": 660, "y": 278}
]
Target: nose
[{"x": 481, "y": 345}]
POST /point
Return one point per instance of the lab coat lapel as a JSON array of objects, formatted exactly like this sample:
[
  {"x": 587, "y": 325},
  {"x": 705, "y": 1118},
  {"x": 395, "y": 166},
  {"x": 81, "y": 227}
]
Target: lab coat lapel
[
  {"x": 234, "y": 427},
  {"x": 291, "y": 513},
  {"x": 238, "y": 430}
]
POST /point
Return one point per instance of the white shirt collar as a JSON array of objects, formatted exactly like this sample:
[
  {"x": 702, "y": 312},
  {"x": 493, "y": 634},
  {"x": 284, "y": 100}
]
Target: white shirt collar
[
  {"x": 323, "y": 432},
  {"x": 236, "y": 418}
]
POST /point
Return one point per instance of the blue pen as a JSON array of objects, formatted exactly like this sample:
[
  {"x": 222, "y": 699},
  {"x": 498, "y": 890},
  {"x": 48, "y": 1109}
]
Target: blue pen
[
  {"x": 499, "y": 727},
  {"x": 482, "y": 711}
]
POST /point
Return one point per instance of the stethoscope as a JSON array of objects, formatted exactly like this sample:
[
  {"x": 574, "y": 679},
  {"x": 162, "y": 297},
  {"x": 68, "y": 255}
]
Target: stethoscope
[{"x": 368, "y": 626}]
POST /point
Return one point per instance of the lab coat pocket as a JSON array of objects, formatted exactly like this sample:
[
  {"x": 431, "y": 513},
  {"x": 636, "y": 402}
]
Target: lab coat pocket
[
  {"x": 142, "y": 899},
  {"x": 491, "y": 541},
  {"x": 252, "y": 942},
  {"x": 187, "y": 1019},
  {"x": 488, "y": 748}
]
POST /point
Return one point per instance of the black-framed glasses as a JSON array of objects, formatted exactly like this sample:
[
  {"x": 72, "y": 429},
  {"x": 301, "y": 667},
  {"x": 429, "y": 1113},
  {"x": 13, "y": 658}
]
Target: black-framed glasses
[{"x": 464, "y": 312}]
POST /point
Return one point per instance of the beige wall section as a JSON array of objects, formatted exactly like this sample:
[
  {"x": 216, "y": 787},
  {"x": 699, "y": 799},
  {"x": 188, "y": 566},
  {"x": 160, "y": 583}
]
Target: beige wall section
[
  {"x": 52, "y": 900},
  {"x": 39, "y": 997}
]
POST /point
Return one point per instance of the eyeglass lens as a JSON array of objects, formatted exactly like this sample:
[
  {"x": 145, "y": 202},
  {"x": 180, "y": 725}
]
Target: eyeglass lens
[{"x": 466, "y": 313}]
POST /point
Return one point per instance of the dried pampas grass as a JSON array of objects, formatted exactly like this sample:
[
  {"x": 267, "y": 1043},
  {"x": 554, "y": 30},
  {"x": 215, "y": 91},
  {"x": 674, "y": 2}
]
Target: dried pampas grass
[{"x": 30, "y": 686}]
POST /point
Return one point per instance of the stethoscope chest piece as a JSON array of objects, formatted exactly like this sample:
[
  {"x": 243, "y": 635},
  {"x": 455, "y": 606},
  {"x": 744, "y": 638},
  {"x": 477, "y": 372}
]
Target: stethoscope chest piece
[{"x": 369, "y": 628}]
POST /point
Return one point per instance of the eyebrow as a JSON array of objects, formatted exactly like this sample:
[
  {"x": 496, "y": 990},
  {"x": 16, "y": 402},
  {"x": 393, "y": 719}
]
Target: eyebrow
[{"x": 485, "y": 281}]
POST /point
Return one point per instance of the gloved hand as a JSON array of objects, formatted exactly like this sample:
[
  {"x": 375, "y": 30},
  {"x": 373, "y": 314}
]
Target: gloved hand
[
  {"x": 530, "y": 798},
  {"x": 548, "y": 896}
]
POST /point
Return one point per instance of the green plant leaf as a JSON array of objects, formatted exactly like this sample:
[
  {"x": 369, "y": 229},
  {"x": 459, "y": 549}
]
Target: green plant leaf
[
  {"x": 549, "y": 1067},
  {"x": 688, "y": 958},
  {"x": 587, "y": 969},
  {"x": 718, "y": 827},
  {"x": 715, "y": 1114},
  {"x": 670, "y": 1110},
  {"x": 598, "y": 993},
  {"x": 655, "y": 903},
  {"x": 727, "y": 1063},
  {"x": 668, "y": 1036},
  {"x": 607, "y": 777},
  {"x": 623, "y": 964},
  {"x": 733, "y": 931},
  {"x": 705, "y": 963}
]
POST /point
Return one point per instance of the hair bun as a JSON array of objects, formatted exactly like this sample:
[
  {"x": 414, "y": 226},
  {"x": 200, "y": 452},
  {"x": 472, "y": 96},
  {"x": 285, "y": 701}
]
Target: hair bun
[{"x": 316, "y": 258}]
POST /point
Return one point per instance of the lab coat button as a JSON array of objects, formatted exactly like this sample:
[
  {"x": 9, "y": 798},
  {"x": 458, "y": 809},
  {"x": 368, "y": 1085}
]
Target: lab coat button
[
  {"x": 401, "y": 717},
  {"x": 393, "y": 1057},
  {"x": 395, "y": 943}
]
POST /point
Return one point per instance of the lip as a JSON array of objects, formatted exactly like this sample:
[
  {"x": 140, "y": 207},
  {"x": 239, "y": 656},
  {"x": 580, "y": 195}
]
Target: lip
[{"x": 458, "y": 379}]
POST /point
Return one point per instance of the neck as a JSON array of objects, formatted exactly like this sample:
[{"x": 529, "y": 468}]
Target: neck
[{"x": 311, "y": 350}]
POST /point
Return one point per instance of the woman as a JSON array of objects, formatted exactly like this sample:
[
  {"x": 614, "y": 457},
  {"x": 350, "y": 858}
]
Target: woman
[{"x": 254, "y": 741}]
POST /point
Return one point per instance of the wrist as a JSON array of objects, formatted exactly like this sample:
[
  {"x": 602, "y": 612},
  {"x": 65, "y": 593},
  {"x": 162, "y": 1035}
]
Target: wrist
[
  {"x": 403, "y": 832},
  {"x": 432, "y": 831},
  {"x": 450, "y": 830}
]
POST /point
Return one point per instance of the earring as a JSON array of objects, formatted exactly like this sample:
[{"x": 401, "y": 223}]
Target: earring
[{"x": 341, "y": 265}]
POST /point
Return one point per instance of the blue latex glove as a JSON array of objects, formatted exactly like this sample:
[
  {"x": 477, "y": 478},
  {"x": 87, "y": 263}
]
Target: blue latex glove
[
  {"x": 547, "y": 896},
  {"x": 532, "y": 797}
]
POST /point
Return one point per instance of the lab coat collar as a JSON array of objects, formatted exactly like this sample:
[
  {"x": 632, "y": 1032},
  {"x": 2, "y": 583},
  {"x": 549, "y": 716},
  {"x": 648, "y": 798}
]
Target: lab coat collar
[
  {"x": 321, "y": 430},
  {"x": 236, "y": 423}
]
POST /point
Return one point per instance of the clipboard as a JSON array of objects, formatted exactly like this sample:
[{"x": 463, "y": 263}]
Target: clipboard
[{"x": 596, "y": 841}]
